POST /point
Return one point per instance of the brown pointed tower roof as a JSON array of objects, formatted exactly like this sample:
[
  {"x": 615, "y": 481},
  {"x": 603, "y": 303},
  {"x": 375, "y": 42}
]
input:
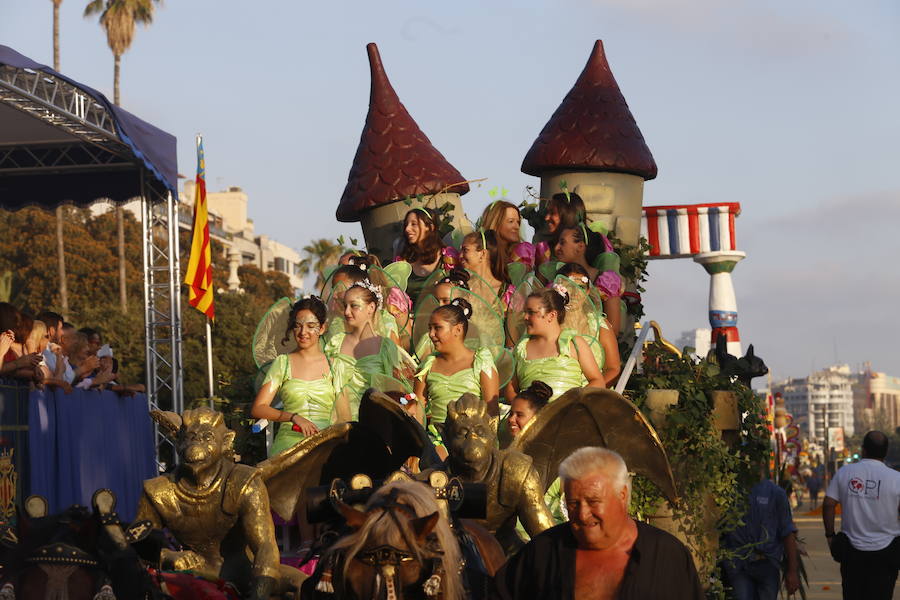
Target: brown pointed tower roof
[
  {"x": 592, "y": 130},
  {"x": 394, "y": 158}
]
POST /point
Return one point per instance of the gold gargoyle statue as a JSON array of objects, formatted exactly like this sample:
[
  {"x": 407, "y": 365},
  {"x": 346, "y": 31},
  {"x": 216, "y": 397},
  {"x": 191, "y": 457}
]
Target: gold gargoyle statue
[
  {"x": 518, "y": 477},
  {"x": 219, "y": 510}
]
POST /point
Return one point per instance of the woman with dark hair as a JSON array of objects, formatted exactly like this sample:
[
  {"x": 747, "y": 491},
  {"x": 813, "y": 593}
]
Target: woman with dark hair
[
  {"x": 483, "y": 257},
  {"x": 453, "y": 369},
  {"x": 360, "y": 357},
  {"x": 549, "y": 353},
  {"x": 421, "y": 248},
  {"x": 564, "y": 211},
  {"x": 303, "y": 379},
  {"x": 584, "y": 247}
]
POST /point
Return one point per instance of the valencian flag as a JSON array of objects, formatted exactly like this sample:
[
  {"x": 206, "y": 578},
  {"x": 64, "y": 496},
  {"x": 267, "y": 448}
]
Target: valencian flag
[{"x": 199, "y": 271}]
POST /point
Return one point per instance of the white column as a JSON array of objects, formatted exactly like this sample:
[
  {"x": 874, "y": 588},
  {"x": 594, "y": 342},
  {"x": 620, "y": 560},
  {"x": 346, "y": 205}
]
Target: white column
[{"x": 722, "y": 302}]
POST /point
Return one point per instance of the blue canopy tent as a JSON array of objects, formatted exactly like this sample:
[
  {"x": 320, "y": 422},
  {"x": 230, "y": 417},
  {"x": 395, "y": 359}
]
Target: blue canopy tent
[{"x": 64, "y": 142}]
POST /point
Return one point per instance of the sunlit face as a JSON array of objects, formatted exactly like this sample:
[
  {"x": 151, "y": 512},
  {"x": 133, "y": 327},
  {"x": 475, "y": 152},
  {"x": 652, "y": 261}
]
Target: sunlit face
[
  {"x": 357, "y": 309},
  {"x": 537, "y": 318},
  {"x": 415, "y": 229},
  {"x": 520, "y": 413},
  {"x": 471, "y": 256},
  {"x": 567, "y": 249},
  {"x": 598, "y": 511},
  {"x": 307, "y": 329},
  {"x": 441, "y": 332},
  {"x": 508, "y": 229},
  {"x": 442, "y": 293},
  {"x": 552, "y": 218}
]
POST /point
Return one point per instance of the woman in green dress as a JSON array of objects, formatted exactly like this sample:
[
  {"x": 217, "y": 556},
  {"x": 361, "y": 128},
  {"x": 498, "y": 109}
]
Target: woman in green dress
[
  {"x": 549, "y": 352},
  {"x": 303, "y": 379},
  {"x": 361, "y": 358},
  {"x": 453, "y": 369},
  {"x": 421, "y": 247}
]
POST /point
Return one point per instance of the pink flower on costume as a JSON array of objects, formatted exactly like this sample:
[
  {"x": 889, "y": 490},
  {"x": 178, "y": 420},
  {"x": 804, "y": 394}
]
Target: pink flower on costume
[
  {"x": 523, "y": 252},
  {"x": 541, "y": 253},
  {"x": 450, "y": 257},
  {"x": 609, "y": 283},
  {"x": 508, "y": 295},
  {"x": 607, "y": 245},
  {"x": 397, "y": 299}
]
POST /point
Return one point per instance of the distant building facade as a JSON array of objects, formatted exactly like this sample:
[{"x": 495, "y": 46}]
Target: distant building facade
[
  {"x": 823, "y": 399},
  {"x": 228, "y": 210},
  {"x": 876, "y": 400}
]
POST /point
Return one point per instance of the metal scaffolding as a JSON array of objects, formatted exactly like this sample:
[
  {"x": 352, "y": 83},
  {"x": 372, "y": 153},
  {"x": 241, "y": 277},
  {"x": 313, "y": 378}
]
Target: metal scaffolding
[{"x": 58, "y": 128}]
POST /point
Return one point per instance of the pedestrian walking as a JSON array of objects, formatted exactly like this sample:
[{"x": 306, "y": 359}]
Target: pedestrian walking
[{"x": 868, "y": 546}]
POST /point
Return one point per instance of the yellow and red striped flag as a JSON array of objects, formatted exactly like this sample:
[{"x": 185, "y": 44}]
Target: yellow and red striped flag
[{"x": 199, "y": 271}]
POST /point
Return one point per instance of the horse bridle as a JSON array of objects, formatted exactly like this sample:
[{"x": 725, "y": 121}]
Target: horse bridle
[{"x": 387, "y": 559}]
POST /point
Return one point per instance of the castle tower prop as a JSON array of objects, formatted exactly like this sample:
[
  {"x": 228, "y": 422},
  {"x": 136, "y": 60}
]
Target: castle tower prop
[
  {"x": 705, "y": 233},
  {"x": 394, "y": 162},
  {"x": 593, "y": 143}
]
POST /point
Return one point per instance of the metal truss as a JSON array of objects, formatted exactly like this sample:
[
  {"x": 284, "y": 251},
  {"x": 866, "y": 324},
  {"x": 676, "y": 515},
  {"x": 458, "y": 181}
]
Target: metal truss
[
  {"x": 62, "y": 105},
  {"x": 59, "y": 158},
  {"x": 162, "y": 311}
]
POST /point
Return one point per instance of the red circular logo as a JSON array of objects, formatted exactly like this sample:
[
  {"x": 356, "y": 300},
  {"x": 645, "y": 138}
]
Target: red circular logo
[{"x": 856, "y": 485}]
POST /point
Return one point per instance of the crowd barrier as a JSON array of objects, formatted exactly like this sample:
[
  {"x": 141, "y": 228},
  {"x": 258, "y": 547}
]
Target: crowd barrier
[{"x": 66, "y": 446}]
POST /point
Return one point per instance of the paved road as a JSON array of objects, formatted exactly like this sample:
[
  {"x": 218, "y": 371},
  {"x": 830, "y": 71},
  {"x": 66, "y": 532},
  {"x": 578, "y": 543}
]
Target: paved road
[{"x": 824, "y": 574}]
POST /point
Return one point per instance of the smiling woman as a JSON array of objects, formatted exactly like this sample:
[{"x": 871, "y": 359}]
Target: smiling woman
[
  {"x": 421, "y": 247},
  {"x": 303, "y": 379}
]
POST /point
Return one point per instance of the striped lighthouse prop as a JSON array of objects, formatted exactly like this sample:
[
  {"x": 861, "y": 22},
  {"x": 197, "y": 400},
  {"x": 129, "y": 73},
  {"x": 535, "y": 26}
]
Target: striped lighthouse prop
[{"x": 706, "y": 233}]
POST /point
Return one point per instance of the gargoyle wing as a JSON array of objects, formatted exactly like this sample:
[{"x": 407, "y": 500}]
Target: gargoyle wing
[
  {"x": 289, "y": 473},
  {"x": 595, "y": 417},
  {"x": 377, "y": 446}
]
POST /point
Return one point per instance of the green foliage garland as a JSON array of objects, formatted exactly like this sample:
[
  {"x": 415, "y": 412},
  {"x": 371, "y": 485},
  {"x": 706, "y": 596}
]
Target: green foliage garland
[{"x": 712, "y": 477}]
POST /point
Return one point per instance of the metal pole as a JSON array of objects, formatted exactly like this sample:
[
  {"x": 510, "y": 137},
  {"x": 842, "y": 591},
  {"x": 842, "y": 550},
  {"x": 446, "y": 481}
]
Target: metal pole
[
  {"x": 174, "y": 314},
  {"x": 209, "y": 364}
]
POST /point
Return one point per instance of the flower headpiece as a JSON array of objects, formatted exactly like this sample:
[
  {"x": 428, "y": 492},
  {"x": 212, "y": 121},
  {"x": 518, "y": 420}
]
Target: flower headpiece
[
  {"x": 407, "y": 399},
  {"x": 562, "y": 291},
  {"x": 466, "y": 310},
  {"x": 376, "y": 291}
]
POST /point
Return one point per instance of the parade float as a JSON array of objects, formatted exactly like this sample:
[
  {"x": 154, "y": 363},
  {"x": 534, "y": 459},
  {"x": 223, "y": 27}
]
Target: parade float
[{"x": 690, "y": 429}]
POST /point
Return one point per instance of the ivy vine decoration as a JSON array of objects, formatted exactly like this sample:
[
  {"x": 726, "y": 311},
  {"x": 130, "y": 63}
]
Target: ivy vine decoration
[{"x": 713, "y": 478}]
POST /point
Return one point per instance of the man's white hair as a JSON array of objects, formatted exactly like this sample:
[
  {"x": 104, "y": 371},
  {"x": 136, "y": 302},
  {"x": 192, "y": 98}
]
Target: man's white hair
[{"x": 592, "y": 459}]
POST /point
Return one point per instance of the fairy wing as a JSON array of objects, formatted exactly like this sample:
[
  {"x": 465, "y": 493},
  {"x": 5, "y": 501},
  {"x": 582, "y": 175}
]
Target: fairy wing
[
  {"x": 515, "y": 313},
  {"x": 268, "y": 340},
  {"x": 581, "y": 312},
  {"x": 595, "y": 417},
  {"x": 399, "y": 273}
]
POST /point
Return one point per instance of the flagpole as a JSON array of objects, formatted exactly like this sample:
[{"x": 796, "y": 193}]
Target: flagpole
[
  {"x": 209, "y": 361},
  {"x": 209, "y": 364}
]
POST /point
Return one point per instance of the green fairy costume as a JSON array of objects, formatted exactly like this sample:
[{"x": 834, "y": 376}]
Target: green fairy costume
[
  {"x": 561, "y": 372},
  {"x": 442, "y": 389},
  {"x": 312, "y": 399},
  {"x": 355, "y": 375}
]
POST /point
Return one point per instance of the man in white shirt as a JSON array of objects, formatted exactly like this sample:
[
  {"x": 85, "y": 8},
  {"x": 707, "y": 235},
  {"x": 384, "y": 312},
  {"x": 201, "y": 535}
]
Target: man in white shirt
[{"x": 868, "y": 547}]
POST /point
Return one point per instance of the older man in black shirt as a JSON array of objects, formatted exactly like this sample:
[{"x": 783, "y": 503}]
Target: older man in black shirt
[{"x": 601, "y": 553}]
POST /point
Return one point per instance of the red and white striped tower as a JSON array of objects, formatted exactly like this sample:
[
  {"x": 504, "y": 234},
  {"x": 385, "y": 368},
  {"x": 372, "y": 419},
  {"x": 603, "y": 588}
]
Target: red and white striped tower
[{"x": 723, "y": 313}]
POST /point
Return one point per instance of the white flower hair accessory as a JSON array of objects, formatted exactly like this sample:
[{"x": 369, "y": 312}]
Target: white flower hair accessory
[
  {"x": 363, "y": 266},
  {"x": 368, "y": 285},
  {"x": 584, "y": 279},
  {"x": 562, "y": 291},
  {"x": 467, "y": 311}
]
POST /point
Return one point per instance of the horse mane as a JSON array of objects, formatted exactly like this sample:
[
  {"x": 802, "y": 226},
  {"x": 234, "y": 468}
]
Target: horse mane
[{"x": 378, "y": 526}]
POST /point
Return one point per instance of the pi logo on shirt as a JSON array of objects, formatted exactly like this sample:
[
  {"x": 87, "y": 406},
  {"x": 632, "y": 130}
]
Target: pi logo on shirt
[{"x": 867, "y": 488}]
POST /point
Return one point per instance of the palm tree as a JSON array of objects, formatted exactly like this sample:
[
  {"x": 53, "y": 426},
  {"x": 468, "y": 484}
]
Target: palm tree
[
  {"x": 320, "y": 254},
  {"x": 119, "y": 18},
  {"x": 60, "y": 243}
]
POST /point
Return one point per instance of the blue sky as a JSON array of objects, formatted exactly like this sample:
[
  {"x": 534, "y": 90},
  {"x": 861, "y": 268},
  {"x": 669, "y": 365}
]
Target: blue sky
[{"x": 788, "y": 108}]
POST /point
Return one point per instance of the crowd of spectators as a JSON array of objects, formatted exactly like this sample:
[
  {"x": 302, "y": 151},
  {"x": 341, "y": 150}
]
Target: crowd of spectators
[{"x": 45, "y": 350}]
